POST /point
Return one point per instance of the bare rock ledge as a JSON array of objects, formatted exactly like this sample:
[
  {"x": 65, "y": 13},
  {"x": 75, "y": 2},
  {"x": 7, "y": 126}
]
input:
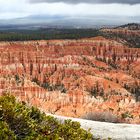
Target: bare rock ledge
[{"x": 105, "y": 130}]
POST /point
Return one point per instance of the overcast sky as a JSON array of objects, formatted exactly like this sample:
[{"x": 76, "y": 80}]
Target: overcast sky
[{"x": 22, "y": 8}]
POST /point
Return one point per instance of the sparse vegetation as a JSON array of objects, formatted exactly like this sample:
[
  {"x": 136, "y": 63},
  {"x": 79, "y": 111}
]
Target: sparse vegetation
[
  {"x": 49, "y": 87},
  {"x": 127, "y": 115},
  {"x": 17, "y": 78},
  {"x": 96, "y": 90},
  {"x": 101, "y": 116},
  {"x": 135, "y": 90}
]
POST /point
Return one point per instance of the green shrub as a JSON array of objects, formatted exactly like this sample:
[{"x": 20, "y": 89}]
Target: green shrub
[
  {"x": 20, "y": 122},
  {"x": 5, "y": 132},
  {"x": 126, "y": 115}
]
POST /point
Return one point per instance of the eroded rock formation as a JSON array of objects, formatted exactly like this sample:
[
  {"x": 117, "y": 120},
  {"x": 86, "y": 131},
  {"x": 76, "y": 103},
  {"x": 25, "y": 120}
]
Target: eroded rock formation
[{"x": 73, "y": 77}]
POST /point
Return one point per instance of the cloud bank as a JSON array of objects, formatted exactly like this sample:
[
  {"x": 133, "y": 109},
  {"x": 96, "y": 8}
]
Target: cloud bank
[
  {"x": 88, "y": 1},
  {"x": 70, "y": 8}
]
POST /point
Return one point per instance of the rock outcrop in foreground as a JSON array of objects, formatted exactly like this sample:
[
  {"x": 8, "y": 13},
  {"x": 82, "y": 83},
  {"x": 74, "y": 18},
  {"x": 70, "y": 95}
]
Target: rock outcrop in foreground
[
  {"x": 74, "y": 77},
  {"x": 105, "y": 130}
]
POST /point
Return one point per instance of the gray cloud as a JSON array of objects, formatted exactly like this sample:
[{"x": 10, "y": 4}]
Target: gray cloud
[{"x": 89, "y": 1}]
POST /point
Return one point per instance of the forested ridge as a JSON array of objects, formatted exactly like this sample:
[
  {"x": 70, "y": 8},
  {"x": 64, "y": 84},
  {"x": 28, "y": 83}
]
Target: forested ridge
[{"x": 46, "y": 34}]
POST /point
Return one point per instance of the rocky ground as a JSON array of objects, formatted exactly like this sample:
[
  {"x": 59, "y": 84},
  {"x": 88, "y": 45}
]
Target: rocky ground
[{"x": 104, "y": 130}]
